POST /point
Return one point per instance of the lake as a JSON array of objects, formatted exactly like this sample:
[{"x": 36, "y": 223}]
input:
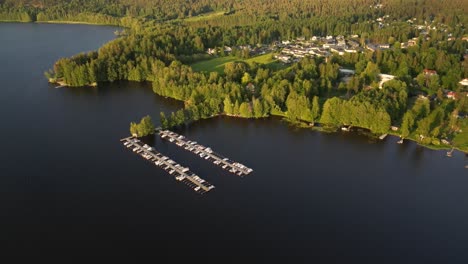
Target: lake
[{"x": 68, "y": 186}]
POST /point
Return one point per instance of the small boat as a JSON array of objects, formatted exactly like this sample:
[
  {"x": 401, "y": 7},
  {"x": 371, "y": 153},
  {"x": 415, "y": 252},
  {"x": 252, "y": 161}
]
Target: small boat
[{"x": 449, "y": 153}]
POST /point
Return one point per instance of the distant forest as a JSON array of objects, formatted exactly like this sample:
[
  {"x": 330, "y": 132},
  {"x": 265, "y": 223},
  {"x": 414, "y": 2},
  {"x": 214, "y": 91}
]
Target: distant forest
[{"x": 353, "y": 11}]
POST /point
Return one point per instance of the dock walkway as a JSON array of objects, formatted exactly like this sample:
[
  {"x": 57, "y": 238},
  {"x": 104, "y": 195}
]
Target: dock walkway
[
  {"x": 180, "y": 173},
  {"x": 205, "y": 153}
]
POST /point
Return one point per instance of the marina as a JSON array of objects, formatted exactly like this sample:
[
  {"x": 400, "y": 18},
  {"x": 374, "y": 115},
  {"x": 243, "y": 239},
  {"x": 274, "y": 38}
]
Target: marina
[
  {"x": 205, "y": 153},
  {"x": 180, "y": 173}
]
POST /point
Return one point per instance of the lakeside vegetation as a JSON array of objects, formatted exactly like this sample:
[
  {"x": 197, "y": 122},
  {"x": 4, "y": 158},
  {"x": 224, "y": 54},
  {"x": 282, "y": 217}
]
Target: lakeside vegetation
[
  {"x": 166, "y": 44},
  {"x": 144, "y": 128}
]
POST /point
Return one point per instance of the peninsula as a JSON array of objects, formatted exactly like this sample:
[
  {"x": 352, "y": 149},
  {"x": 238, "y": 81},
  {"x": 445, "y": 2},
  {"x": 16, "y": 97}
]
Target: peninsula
[{"x": 388, "y": 66}]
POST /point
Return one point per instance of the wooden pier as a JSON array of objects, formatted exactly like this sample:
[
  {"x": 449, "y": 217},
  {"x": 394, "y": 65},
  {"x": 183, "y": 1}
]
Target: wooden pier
[
  {"x": 205, "y": 153},
  {"x": 179, "y": 172},
  {"x": 382, "y": 137}
]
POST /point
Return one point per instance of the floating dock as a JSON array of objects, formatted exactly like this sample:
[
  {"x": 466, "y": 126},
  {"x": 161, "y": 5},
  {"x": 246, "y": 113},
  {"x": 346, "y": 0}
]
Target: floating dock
[
  {"x": 382, "y": 137},
  {"x": 205, "y": 153},
  {"x": 179, "y": 172}
]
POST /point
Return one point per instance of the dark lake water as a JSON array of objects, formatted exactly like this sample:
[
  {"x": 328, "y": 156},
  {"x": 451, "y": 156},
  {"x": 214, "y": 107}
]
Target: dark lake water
[{"x": 68, "y": 186}]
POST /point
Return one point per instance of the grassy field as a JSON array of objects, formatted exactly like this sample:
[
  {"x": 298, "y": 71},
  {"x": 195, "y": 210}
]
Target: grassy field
[
  {"x": 217, "y": 64},
  {"x": 205, "y": 16},
  {"x": 461, "y": 140}
]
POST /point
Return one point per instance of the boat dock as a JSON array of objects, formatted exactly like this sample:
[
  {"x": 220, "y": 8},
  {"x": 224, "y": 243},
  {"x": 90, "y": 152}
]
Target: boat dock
[
  {"x": 382, "y": 137},
  {"x": 179, "y": 172},
  {"x": 205, "y": 153}
]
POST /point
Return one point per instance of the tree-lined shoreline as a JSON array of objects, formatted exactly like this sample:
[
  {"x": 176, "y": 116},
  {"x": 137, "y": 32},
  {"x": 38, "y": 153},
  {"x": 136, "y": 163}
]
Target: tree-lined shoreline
[{"x": 424, "y": 51}]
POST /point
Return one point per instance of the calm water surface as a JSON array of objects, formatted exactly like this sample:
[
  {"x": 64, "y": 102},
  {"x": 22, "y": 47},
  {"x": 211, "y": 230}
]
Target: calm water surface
[{"x": 67, "y": 185}]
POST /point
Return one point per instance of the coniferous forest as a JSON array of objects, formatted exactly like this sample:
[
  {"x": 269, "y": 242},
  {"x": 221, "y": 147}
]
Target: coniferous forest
[{"x": 313, "y": 62}]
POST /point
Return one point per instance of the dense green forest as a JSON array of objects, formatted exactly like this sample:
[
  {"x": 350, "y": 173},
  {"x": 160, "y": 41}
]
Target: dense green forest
[{"x": 163, "y": 38}]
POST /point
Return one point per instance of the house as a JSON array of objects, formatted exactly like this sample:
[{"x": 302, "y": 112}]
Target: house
[
  {"x": 464, "y": 82},
  {"x": 211, "y": 51},
  {"x": 412, "y": 42},
  {"x": 371, "y": 47},
  {"x": 341, "y": 41},
  {"x": 337, "y": 49},
  {"x": 385, "y": 78},
  {"x": 346, "y": 72},
  {"x": 300, "y": 38},
  {"x": 428, "y": 72},
  {"x": 284, "y": 58},
  {"x": 353, "y": 43},
  {"x": 374, "y": 47},
  {"x": 350, "y": 50},
  {"x": 384, "y": 46},
  {"x": 250, "y": 87},
  {"x": 451, "y": 95}
]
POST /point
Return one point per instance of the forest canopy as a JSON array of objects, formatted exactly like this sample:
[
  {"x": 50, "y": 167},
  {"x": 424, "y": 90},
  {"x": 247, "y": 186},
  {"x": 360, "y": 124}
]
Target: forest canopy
[{"x": 421, "y": 44}]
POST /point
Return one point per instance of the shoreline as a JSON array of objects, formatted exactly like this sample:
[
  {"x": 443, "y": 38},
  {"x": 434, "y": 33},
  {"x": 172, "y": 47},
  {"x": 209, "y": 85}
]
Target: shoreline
[
  {"x": 321, "y": 129},
  {"x": 63, "y": 22},
  {"x": 67, "y": 22},
  {"x": 301, "y": 124},
  {"x": 64, "y": 84}
]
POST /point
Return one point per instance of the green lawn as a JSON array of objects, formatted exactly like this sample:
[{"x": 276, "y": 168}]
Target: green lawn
[
  {"x": 205, "y": 16},
  {"x": 217, "y": 64},
  {"x": 461, "y": 139}
]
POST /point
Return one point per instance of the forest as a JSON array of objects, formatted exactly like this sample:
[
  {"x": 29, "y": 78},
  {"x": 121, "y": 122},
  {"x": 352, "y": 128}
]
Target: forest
[{"x": 161, "y": 41}]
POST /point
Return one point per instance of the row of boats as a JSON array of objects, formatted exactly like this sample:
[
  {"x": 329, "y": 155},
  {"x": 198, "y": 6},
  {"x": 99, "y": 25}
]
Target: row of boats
[
  {"x": 205, "y": 153},
  {"x": 180, "y": 173}
]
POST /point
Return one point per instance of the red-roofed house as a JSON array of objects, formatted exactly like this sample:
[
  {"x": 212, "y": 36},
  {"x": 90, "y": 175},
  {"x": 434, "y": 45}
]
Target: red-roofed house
[
  {"x": 429, "y": 72},
  {"x": 451, "y": 95}
]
